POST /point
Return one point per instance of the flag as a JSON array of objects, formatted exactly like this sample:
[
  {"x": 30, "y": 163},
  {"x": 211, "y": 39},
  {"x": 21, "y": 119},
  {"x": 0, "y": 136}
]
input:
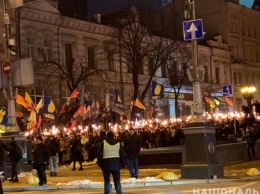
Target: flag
[
  {"x": 93, "y": 108},
  {"x": 3, "y": 116},
  {"x": 118, "y": 101},
  {"x": 157, "y": 91},
  {"x": 49, "y": 108},
  {"x": 209, "y": 101},
  {"x": 215, "y": 100},
  {"x": 79, "y": 114},
  {"x": 139, "y": 104},
  {"x": 39, "y": 106},
  {"x": 229, "y": 101},
  {"x": 73, "y": 124},
  {"x": 71, "y": 102},
  {"x": 38, "y": 123},
  {"x": 88, "y": 101},
  {"x": 22, "y": 103},
  {"x": 152, "y": 109},
  {"x": 28, "y": 99},
  {"x": 32, "y": 120},
  {"x": 88, "y": 113}
]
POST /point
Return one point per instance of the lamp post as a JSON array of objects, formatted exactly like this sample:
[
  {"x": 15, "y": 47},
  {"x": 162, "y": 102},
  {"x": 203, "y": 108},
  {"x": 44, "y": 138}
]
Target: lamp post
[
  {"x": 201, "y": 157},
  {"x": 248, "y": 94}
]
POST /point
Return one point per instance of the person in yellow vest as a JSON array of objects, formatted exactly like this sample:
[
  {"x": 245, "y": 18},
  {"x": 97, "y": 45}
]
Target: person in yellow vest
[{"x": 110, "y": 158}]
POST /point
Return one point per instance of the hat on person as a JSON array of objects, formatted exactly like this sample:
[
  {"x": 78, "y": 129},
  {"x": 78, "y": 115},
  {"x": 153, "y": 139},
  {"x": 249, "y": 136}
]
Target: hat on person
[
  {"x": 39, "y": 137},
  {"x": 110, "y": 134}
]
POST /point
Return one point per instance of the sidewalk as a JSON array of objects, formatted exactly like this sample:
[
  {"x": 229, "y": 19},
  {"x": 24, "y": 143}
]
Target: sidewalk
[{"x": 92, "y": 173}]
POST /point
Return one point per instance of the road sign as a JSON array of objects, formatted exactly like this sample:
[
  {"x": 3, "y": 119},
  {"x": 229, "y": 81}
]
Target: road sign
[
  {"x": 227, "y": 90},
  {"x": 192, "y": 29},
  {"x": 7, "y": 67}
]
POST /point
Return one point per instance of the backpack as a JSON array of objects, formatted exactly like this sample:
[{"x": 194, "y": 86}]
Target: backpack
[{"x": 18, "y": 153}]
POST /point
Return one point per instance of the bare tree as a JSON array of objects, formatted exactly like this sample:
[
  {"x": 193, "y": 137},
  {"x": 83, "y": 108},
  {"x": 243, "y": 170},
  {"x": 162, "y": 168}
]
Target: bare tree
[
  {"x": 135, "y": 44},
  {"x": 177, "y": 73},
  {"x": 73, "y": 72}
]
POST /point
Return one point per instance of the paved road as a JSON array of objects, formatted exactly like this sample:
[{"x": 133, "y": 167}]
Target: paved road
[{"x": 237, "y": 187}]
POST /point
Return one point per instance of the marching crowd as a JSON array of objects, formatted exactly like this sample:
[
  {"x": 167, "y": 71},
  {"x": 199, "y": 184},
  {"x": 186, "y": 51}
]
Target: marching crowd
[{"x": 113, "y": 149}]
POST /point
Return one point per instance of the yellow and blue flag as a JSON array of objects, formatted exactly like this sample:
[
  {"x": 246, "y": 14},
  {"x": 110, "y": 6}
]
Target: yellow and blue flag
[
  {"x": 118, "y": 101},
  {"x": 49, "y": 108},
  {"x": 3, "y": 116},
  {"x": 157, "y": 91},
  {"x": 139, "y": 104}
]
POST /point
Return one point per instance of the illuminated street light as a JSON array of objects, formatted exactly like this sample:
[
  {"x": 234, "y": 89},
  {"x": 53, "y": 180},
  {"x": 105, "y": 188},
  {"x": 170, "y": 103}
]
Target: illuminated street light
[{"x": 248, "y": 93}]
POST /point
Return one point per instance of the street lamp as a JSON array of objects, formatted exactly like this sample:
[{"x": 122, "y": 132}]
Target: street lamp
[{"x": 248, "y": 93}]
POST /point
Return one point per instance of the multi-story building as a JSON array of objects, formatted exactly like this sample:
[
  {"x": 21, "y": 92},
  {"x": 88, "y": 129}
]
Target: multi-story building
[
  {"x": 43, "y": 34},
  {"x": 239, "y": 37}
]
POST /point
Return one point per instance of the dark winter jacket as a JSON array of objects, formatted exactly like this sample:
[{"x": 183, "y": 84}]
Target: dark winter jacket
[
  {"x": 41, "y": 153},
  {"x": 2, "y": 148},
  {"x": 13, "y": 153},
  {"x": 54, "y": 146},
  {"x": 133, "y": 146},
  {"x": 76, "y": 150},
  {"x": 110, "y": 164}
]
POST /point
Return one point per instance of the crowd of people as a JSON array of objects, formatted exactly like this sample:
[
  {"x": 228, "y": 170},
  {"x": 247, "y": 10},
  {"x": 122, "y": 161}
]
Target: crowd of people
[{"x": 114, "y": 148}]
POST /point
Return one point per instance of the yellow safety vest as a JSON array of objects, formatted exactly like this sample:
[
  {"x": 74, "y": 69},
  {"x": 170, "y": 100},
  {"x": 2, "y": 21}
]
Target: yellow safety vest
[{"x": 111, "y": 151}]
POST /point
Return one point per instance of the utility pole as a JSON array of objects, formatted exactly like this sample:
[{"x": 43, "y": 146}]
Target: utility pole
[
  {"x": 201, "y": 159},
  {"x": 10, "y": 94},
  {"x": 197, "y": 79}
]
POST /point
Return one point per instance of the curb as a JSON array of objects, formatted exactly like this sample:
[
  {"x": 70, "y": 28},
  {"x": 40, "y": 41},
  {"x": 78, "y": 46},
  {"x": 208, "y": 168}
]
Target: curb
[{"x": 128, "y": 185}]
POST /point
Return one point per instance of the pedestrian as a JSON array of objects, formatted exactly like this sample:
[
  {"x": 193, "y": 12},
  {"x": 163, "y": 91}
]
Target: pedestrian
[
  {"x": 15, "y": 155},
  {"x": 41, "y": 156},
  {"x": 250, "y": 138},
  {"x": 111, "y": 159},
  {"x": 76, "y": 152},
  {"x": 54, "y": 156},
  {"x": 3, "y": 149},
  {"x": 30, "y": 147},
  {"x": 133, "y": 146}
]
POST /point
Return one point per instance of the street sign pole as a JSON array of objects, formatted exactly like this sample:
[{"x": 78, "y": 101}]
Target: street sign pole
[{"x": 6, "y": 66}]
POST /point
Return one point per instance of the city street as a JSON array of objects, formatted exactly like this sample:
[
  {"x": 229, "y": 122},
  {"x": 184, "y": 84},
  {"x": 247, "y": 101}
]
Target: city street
[{"x": 241, "y": 187}]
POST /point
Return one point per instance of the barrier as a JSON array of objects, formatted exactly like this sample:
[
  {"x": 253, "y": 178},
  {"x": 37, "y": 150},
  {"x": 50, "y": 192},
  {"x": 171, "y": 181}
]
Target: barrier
[{"x": 226, "y": 153}]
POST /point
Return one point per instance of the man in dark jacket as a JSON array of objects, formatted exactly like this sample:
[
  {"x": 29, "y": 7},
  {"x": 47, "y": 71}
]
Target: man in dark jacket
[
  {"x": 133, "y": 146},
  {"x": 13, "y": 154},
  {"x": 54, "y": 147},
  {"x": 41, "y": 155},
  {"x": 3, "y": 149},
  {"x": 110, "y": 158},
  {"x": 76, "y": 152}
]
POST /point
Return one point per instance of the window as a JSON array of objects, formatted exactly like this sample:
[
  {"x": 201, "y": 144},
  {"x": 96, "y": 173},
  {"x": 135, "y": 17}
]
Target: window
[
  {"x": 91, "y": 57},
  {"x": 235, "y": 78},
  {"x": 151, "y": 66},
  {"x": 47, "y": 50},
  {"x": 65, "y": 94},
  {"x": 111, "y": 62},
  {"x": 163, "y": 70},
  {"x": 225, "y": 76},
  {"x": 30, "y": 48},
  {"x": 37, "y": 94},
  {"x": 68, "y": 55},
  {"x": 217, "y": 75},
  {"x": 239, "y": 78}
]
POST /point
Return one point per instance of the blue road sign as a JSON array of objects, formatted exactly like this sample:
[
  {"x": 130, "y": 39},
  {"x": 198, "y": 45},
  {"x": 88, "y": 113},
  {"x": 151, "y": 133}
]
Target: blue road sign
[
  {"x": 192, "y": 29},
  {"x": 227, "y": 90}
]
